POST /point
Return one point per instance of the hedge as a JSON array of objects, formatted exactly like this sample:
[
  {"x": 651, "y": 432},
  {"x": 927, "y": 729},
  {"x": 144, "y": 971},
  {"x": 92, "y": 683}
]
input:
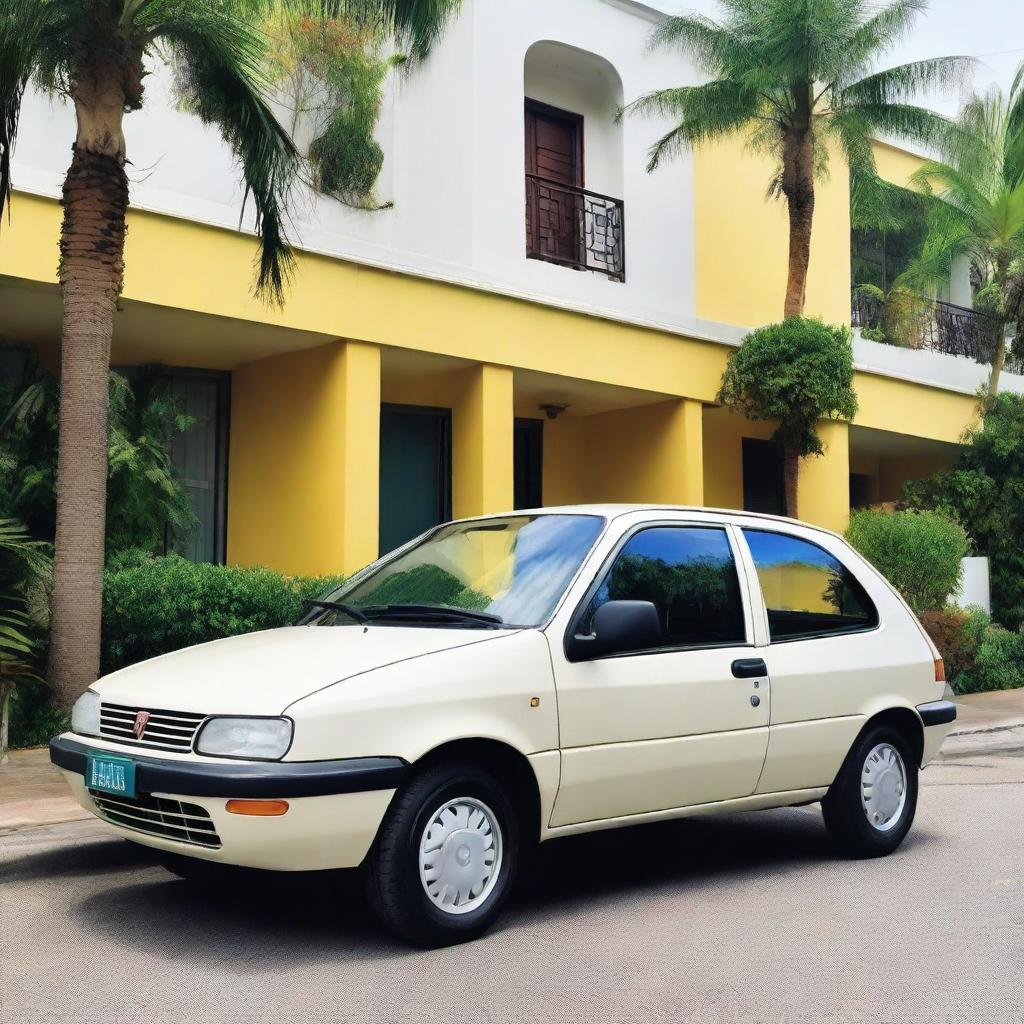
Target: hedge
[
  {"x": 155, "y": 605},
  {"x": 979, "y": 654}
]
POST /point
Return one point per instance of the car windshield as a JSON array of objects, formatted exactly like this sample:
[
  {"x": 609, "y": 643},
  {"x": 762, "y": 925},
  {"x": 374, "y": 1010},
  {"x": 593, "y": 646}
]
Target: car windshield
[{"x": 509, "y": 571}]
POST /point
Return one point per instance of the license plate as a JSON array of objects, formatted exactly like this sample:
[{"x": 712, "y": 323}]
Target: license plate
[{"x": 110, "y": 774}]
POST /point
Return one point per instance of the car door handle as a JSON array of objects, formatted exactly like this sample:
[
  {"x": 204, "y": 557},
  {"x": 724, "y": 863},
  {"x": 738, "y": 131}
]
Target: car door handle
[{"x": 748, "y": 668}]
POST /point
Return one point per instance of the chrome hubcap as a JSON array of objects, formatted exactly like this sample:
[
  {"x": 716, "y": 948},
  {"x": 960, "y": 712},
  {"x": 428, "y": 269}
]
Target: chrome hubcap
[
  {"x": 460, "y": 855},
  {"x": 883, "y": 787}
]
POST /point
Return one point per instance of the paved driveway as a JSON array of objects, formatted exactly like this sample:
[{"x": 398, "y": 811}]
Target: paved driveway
[{"x": 719, "y": 920}]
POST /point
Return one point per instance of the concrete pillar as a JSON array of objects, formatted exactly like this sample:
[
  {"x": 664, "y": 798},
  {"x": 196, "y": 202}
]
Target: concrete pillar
[
  {"x": 823, "y": 488},
  {"x": 304, "y": 463},
  {"x": 482, "y": 438}
]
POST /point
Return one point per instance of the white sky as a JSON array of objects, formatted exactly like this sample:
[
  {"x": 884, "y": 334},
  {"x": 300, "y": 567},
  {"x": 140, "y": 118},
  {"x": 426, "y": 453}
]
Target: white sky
[{"x": 979, "y": 28}]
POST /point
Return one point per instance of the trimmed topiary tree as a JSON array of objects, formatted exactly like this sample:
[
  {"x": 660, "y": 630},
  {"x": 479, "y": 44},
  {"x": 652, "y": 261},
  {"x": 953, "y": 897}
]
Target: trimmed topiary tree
[
  {"x": 919, "y": 553},
  {"x": 796, "y": 372}
]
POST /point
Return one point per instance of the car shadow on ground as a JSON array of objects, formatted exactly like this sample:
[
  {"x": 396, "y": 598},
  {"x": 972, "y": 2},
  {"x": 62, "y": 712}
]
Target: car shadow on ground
[{"x": 272, "y": 919}]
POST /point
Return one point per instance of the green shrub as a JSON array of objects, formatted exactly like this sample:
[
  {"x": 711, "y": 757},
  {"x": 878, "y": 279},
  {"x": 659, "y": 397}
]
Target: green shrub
[
  {"x": 918, "y": 552},
  {"x": 874, "y": 334},
  {"x": 155, "y": 605},
  {"x": 999, "y": 664},
  {"x": 985, "y": 492},
  {"x": 979, "y": 654},
  {"x": 952, "y": 633}
]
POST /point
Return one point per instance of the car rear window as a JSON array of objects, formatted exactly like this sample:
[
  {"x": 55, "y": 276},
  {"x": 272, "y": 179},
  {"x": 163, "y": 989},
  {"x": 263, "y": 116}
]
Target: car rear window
[{"x": 807, "y": 591}]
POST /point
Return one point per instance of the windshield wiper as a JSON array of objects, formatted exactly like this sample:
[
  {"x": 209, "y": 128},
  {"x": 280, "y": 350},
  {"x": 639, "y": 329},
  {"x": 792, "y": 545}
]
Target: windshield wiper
[
  {"x": 338, "y": 606},
  {"x": 432, "y": 611}
]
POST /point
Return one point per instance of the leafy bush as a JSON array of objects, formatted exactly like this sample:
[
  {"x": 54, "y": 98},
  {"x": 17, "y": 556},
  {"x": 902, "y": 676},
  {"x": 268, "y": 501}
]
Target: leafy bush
[
  {"x": 918, "y": 552},
  {"x": 979, "y": 654},
  {"x": 985, "y": 492},
  {"x": 957, "y": 642},
  {"x": 155, "y": 605},
  {"x": 875, "y": 334}
]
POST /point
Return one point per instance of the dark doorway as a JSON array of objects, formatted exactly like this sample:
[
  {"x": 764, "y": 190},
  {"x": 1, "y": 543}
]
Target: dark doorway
[
  {"x": 554, "y": 168},
  {"x": 860, "y": 490},
  {"x": 763, "y": 489},
  {"x": 200, "y": 458},
  {"x": 415, "y": 472},
  {"x": 528, "y": 459}
]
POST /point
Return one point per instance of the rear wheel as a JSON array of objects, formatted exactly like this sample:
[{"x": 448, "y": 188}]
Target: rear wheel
[
  {"x": 870, "y": 807},
  {"x": 445, "y": 857}
]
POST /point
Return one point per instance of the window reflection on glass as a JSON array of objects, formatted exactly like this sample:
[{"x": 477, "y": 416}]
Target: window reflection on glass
[
  {"x": 807, "y": 591},
  {"x": 689, "y": 575},
  {"x": 516, "y": 567}
]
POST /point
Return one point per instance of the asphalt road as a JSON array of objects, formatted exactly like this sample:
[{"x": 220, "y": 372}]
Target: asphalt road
[{"x": 748, "y": 918}]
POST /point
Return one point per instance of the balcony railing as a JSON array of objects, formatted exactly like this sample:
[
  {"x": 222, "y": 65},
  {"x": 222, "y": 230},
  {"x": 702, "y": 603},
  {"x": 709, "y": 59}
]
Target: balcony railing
[
  {"x": 913, "y": 321},
  {"x": 575, "y": 227}
]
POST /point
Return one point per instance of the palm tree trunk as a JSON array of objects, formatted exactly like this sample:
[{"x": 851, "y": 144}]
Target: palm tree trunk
[
  {"x": 91, "y": 272},
  {"x": 798, "y": 188},
  {"x": 998, "y": 360},
  {"x": 790, "y": 477}
]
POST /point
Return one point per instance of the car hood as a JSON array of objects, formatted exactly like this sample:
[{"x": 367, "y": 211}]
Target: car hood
[{"x": 262, "y": 673}]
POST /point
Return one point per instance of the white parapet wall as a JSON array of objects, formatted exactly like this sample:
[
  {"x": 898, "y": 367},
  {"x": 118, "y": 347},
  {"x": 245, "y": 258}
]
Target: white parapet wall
[{"x": 974, "y": 590}]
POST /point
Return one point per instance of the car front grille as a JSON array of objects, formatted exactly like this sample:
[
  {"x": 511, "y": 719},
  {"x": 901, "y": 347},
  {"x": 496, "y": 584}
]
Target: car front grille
[
  {"x": 165, "y": 730},
  {"x": 158, "y": 816}
]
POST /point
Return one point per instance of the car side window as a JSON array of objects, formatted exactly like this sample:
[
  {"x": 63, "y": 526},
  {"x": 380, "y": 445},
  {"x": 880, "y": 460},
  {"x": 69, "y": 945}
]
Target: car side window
[
  {"x": 689, "y": 575},
  {"x": 807, "y": 591}
]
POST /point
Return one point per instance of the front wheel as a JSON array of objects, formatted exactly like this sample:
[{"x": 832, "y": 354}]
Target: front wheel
[
  {"x": 445, "y": 857},
  {"x": 870, "y": 807}
]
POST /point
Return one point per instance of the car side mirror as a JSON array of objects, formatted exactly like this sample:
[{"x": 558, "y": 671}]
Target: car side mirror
[{"x": 619, "y": 626}]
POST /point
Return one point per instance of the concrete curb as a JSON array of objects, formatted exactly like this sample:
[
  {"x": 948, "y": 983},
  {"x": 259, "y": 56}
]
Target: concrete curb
[{"x": 1006, "y": 727}]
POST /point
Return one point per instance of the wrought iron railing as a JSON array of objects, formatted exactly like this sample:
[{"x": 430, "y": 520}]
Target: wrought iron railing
[
  {"x": 913, "y": 321},
  {"x": 575, "y": 227}
]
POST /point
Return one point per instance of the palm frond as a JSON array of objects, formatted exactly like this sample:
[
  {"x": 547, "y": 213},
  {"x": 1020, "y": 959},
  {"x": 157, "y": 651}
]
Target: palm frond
[
  {"x": 712, "y": 46},
  {"x": 21, "y": 26},
  {"x": 705, "y": 112},
  {"x": 220, "y": 60},
  {"x": 879, "y": 32},
  {"x": 415, "y": 25},
  {"x": 906, "y": 81}
]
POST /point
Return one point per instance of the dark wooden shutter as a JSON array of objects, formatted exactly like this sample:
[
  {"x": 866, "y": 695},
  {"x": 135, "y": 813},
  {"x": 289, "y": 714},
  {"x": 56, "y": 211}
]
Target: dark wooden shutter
[{"x": 554, "y": 155}]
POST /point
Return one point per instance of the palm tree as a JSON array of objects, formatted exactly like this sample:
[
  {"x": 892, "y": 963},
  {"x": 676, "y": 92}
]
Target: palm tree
[
  {"x": 94, "y": 52},
  {"x": 980, "y": 215},
  {"x": 792, "y": 76}
]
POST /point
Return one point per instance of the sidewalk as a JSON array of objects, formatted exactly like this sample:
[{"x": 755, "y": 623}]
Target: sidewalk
[
  {"x": 987, "y": 712},
  {"x": 33, "y": 792}
]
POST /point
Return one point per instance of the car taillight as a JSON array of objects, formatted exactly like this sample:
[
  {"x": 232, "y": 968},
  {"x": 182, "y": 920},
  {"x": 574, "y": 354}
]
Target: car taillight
[{"x": 940, "y": 671}]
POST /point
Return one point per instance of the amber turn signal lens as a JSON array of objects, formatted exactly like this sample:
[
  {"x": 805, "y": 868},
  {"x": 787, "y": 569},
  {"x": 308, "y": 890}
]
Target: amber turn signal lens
[
  {"x": 940, "y": 671},
  {"x": 259, "y": 808}
]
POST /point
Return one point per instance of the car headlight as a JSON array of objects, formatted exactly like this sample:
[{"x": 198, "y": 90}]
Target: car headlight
[
  {"x": 262, "y": 739},
  {"x": 85, "y": 715}
]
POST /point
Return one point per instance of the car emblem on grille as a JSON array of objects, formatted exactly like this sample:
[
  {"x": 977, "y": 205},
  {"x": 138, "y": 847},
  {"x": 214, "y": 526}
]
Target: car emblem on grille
[{"x": 141, "y": 721}]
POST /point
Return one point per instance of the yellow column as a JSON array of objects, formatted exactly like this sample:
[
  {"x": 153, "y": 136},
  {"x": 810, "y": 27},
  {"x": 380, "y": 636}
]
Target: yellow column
[
  {"x": 823, "y": 487},
  {"x": 360, "y": 459},
  {"x": 304, "y": 462},
  {"x": 689, "y": 443},
  {"x": 482, "y": 422}
]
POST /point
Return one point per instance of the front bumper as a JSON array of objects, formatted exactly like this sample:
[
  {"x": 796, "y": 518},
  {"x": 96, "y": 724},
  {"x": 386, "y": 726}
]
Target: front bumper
[{"x": 334, "y": 807}]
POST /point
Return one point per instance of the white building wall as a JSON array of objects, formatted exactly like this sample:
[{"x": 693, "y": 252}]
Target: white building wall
[{"x": 454, "y": 142}]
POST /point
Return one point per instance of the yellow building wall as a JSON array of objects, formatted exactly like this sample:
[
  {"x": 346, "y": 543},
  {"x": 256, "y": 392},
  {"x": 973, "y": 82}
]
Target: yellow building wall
[
  {"x": 648, "y": 453},
  {"x": 304, "y": 460},
  {"x": 741, "y": 242},
  {"x": 723, "y": 455}
]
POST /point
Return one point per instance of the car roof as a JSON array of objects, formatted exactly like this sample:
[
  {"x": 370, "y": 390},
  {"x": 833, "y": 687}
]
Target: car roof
[{"x": 614, "y": 511}]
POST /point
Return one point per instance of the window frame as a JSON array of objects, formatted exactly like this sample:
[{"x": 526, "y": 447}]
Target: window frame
[
  {"x": 746, "y": 592},
  {"x": 741, "y": 531}
]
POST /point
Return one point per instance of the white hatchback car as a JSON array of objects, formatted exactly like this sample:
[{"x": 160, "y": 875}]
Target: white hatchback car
[{"x": 510, "y": 679}]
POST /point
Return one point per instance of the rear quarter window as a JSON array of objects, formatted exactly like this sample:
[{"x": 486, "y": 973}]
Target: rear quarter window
[{"x": 807, "y": 590}]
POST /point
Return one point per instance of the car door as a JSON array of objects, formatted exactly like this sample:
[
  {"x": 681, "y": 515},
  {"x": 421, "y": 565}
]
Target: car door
[
  {"x": 669, "y": 726},
  {"x": 827, "y": 654}
]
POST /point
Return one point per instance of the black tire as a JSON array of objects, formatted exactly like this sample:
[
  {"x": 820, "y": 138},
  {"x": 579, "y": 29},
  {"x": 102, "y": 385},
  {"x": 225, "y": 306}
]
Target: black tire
[
  {"x": 845, "y": 815},
  {"x": 392, "y": 869}
]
